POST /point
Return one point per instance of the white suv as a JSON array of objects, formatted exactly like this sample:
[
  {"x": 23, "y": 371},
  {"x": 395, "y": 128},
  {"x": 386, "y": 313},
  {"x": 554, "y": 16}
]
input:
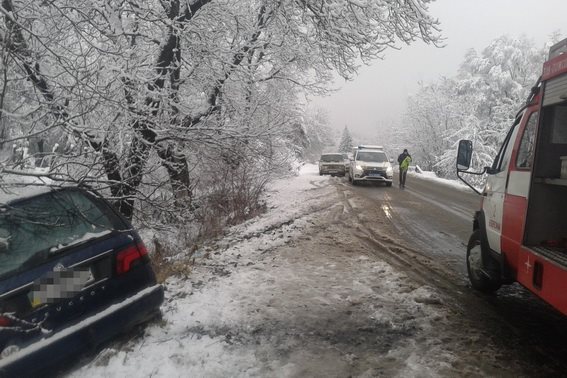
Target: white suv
[{"x": 370, "y": 163}]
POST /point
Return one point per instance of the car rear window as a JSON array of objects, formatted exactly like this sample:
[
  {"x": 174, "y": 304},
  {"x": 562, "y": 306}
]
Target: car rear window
[
  {"x": 34, "y": 230},
  {"x": 332, "y": 158}
]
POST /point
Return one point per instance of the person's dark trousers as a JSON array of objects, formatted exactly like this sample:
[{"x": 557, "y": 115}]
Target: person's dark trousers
[{"x": 403, "y": 174}]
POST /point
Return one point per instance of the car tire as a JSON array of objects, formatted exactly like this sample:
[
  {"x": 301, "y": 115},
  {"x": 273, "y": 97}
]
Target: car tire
[
  {"x": 388, "y": 184},
  {"x": 475, "y": 266},
  {"x": 354, "y": 183},
  {"x": 320, "y": 173}
]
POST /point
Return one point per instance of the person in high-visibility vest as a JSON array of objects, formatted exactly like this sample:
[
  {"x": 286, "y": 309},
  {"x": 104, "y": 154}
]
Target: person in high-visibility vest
[{"x": 404, "y": 160}]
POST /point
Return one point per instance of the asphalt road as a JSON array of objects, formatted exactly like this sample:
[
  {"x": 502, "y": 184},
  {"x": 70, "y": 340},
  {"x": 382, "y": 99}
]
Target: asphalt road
[
  {"x": 432, "y": 217},
  {"x": 428, "y": 227}
]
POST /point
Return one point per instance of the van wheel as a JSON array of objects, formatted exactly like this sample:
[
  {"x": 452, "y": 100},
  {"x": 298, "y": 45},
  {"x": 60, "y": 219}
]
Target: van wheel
[{"x": 476, "y": 267}]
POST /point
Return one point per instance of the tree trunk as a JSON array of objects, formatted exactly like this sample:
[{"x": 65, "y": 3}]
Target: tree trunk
[{"x": 176, "y": 165}]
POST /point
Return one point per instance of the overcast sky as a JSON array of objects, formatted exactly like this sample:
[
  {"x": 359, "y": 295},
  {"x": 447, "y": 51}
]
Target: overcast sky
[{"x": 378, "y": 95}]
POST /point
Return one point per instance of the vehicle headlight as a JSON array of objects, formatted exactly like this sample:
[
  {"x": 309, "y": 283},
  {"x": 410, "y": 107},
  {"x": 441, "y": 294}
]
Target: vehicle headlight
[
  {"x": 389, "y": 171},
  {"x": 358, "y": 167}
]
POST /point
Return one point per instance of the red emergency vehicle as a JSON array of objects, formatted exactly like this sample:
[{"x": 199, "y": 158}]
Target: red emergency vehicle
[{"x": 520, "y": 232}]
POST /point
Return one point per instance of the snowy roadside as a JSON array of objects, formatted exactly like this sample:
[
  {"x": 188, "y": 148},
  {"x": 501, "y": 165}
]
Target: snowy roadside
[
  {"x": 431, "y": 176},
  {"x": 272, "y": 299}
]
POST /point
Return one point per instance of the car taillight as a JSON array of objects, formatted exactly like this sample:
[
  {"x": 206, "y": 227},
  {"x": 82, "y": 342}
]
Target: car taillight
[
  {"x": 5, "y": 321},
  {"x": 129, "y": 256}
]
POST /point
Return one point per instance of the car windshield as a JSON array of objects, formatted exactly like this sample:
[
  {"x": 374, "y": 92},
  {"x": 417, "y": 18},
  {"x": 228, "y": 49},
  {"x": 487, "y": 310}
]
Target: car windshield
[
  {"x": 332, "y": 158},
  {"x": 372, "y": 156},
  {"x": 33, "y": 230}
]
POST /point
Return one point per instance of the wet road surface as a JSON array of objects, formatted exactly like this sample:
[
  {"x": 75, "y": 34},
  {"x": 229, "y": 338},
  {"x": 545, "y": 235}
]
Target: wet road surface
[{"x": 425, "y": 229}]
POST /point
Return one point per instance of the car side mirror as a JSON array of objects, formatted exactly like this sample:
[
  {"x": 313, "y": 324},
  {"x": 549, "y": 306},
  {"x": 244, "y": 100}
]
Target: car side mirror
[{"x": 464, "y": 155}]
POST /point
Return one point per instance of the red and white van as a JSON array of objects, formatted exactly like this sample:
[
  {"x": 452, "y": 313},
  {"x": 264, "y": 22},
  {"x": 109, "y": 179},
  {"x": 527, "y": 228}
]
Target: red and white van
[{"x": 520, "y": 233}]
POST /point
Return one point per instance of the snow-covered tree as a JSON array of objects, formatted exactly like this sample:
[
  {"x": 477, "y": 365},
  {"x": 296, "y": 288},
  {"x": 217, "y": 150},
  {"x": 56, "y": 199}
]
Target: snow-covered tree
[
  {"x": 345, "y": 145},
  {"x": 479, "y": 104},
  {"x": 318, "y": 135},
  {"x": 136, "y": 94}
]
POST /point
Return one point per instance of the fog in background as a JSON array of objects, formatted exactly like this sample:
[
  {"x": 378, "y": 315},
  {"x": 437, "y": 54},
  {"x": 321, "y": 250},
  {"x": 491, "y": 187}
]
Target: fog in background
[{"x": 376, "y": 98}]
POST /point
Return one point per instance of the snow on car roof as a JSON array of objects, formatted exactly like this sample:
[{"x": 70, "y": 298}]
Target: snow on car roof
[
  {"x": 15, "y": 187},
  {"x": 370, "y": 147}
]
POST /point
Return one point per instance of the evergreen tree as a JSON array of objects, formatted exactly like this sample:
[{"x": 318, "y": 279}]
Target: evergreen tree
[{"x": 346, "y": 141}]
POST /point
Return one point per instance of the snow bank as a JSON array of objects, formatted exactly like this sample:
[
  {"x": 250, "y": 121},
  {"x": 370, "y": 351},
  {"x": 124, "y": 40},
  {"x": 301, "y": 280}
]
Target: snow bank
[{"x": 431, "y": 176}]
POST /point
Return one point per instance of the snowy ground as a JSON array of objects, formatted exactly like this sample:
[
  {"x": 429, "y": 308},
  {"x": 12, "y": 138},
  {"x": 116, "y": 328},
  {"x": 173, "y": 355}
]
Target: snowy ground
[
  {"x": 291, "y": 294},
  {"x": 431, "y": 176}
]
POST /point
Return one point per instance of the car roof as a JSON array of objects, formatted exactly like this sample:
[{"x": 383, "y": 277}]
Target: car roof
[
  {"x": 373, "y": 151},
  {"x": 370, "y": 147},
  {"x": 14, "y": 188}
]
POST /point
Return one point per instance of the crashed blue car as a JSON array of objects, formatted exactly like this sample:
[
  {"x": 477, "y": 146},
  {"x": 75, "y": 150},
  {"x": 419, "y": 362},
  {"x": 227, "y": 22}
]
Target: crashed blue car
[{"x": 73, "y": 275}]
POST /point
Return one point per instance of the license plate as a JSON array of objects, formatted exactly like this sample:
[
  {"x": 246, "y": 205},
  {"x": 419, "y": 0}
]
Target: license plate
[
  {"x": 58, "y": 285},
  {"x": 375, "y": 175}
]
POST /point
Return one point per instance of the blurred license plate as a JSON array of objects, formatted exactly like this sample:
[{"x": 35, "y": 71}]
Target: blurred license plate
[
  {"x": 375, "y": 175},
  {"x": 58, "y": 285}
]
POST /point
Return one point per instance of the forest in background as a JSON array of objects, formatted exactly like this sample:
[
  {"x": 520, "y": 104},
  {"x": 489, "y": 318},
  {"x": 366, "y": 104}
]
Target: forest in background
[
  {"x": 179, "y": 112},
  {"x": 480, "y": 103}
]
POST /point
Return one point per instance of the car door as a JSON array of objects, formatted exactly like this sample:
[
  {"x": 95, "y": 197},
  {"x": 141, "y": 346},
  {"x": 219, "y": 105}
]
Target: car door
[
  {"x": 495, "y": 190},
  {"x": 517, "y": 190}
]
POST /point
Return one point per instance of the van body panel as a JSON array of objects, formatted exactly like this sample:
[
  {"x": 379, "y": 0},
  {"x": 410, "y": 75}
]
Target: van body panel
[{"x": 553, "y": 285}]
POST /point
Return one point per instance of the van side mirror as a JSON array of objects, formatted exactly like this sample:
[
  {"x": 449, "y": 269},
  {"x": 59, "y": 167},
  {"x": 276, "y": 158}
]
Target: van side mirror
[
  {"x": 491, "y": 171},
  {"x": 464, "y": 155}
]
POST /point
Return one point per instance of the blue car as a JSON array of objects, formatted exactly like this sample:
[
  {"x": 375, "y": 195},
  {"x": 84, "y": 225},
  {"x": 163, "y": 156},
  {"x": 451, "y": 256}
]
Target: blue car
[{"x": 73, "y": 274}]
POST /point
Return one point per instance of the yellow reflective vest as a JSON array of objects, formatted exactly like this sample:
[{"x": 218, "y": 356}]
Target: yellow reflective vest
[{"x": 405, "y": 163}]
